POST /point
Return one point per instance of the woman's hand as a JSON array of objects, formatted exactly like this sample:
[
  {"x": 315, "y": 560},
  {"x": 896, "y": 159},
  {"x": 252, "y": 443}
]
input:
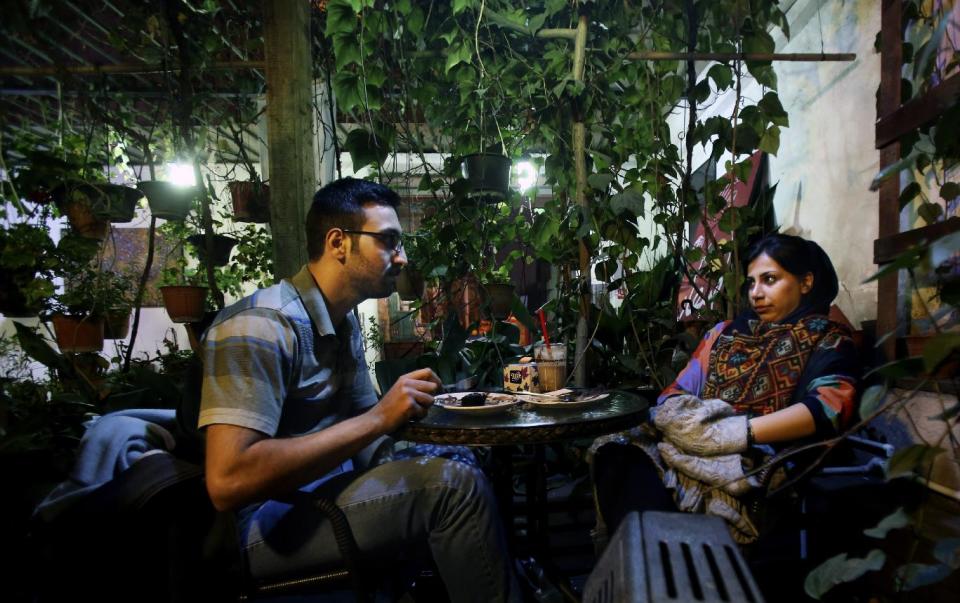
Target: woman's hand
[
  {"x": 702, "y": 427},
  {"x": 725, "y": 471}
]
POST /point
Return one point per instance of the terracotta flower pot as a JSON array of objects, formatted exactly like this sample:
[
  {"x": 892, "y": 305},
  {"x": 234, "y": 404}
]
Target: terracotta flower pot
[
  {"x": 184, "y": 303},
  {"x": 76, "y": 334},
  {"x": 251, "y": 201},
  {"x": 83, "y": 219}
]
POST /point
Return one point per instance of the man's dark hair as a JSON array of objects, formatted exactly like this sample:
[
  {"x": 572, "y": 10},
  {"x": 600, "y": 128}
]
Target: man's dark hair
[
  {"x": 798, "y": 257},
  {"x": 340, "y": 205}
]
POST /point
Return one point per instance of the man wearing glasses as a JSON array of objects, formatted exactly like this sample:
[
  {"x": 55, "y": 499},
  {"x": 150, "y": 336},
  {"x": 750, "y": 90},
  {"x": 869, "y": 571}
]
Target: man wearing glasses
[{"x": 287, "y": 404}]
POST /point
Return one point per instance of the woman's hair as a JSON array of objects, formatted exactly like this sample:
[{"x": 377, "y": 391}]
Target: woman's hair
[{"x": 798, "y": 257}]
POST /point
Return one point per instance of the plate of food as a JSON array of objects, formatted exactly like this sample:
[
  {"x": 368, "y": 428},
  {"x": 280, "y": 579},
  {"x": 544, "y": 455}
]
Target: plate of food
[
  {"x": 478, "y": 403},
  {"x": 562, "y": 399}
]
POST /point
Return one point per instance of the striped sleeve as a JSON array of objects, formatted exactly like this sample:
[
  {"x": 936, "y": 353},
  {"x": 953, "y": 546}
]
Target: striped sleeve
[
  {"x": 248, "y": 363},
  {"x": 692, "y": 377}
]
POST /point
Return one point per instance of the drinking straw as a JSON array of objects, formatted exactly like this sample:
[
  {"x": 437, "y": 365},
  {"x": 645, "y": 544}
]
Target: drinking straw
[{"x": 543, "y": 327}]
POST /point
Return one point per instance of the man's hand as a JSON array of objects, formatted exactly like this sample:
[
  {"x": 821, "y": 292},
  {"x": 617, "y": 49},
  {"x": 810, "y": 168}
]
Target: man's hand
[{"x": 408, "y": 399}]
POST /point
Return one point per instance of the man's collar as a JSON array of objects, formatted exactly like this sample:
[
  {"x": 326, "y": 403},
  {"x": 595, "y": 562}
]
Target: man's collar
[{"x": 313, "y": 301}]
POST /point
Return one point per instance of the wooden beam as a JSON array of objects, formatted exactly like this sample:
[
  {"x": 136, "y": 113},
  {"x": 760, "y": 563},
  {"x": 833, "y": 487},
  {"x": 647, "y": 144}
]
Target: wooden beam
[
  {"x": 891, "y": 60},
  {"x": 580, "y": 167},
  {"x": 289, "y": 130},
  {"x": 886, "y": 249},
  {"x": 918, "y": 112},
  {"x": 812, "y": 57},
  {"x": 126, "y": 68}
]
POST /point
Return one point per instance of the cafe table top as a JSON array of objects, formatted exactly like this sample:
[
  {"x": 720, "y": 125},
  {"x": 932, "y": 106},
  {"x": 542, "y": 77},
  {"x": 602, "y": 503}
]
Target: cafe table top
[{"x": 526, "y": 423}]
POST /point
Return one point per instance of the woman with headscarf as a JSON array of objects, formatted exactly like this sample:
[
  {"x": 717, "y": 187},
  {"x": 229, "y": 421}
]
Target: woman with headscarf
[{"x": 778, "y": 374}]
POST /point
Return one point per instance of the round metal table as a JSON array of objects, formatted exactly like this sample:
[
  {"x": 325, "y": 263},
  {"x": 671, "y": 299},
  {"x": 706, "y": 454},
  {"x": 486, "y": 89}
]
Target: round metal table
[
  {"x": 527, "y": 423},
  {"x": 523, "y": 424}
]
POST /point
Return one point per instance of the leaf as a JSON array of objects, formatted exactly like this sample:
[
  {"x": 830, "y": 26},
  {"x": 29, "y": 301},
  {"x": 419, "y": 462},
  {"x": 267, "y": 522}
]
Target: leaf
[
  {"x": 907, "y": 460},
  {"x": 949, "y": 191},
  {"x": 365, "y": 148},
  {"x": 460, "y": 5},
  {"x": 37, "y": 348},
  {"x": 947, "y": 551},
  {"x": 930, "y": 212},
  {"x": 630, "y": 200},
  {"x": 871, "y": 400},
  {"x": 898, "y": 369},
  {"x": 770, "y": 142},
  {"x": 600, "y": 181},
  {"x": 763, "y": 73},
  {"x": 909, "y": 193},
  {"x": 721, "y": 75},
  {"x": 944, "y": 248},
  {"x": 896, "y": 520},
  {"x": 891, "y": 170},
  {"x": 773, "y": 110},
  {"x": 841, "y": 569},
  {"x": 938, "y": 348},
  {"x": 461, "y": 54},
  {"x": 915, "y": 575}
]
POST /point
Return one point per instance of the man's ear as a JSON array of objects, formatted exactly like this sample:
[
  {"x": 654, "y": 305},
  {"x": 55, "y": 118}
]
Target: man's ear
[
  {"x": 336, "y": 243},
  {"x": 806, "y": 283}
]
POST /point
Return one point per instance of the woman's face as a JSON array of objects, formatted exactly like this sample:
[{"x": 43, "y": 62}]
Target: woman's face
[{"x": 774, "y": 292}]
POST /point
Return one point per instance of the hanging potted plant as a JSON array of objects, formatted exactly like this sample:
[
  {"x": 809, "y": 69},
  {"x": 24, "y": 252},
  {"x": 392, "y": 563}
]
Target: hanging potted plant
[
  {"x": 488, "y": 175},
  {"x": 251, "y": 201},
  {"x": 90, "y": 207},
  {"x": 222, "y": 246},
  {"x": 167, "y": 200},
  {"x": 250, "y": 198}
]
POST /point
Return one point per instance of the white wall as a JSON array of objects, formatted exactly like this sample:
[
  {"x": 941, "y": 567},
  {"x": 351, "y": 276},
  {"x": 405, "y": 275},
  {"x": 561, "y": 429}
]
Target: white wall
[{"x": 827, "y": 157}]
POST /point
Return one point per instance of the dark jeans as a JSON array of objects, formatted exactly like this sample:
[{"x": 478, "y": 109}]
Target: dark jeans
[{"x": 626, "y": 480}]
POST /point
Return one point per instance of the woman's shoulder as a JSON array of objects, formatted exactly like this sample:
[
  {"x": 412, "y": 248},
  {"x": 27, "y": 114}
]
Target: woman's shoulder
[{"x": 831, "y": 334}]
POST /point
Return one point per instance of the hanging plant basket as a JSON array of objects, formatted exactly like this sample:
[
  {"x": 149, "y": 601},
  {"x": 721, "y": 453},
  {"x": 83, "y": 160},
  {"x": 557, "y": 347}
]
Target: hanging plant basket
[
  {"x": 168, "y": 201},
  {"x": 82, "y": 217},
  {"x": 222, "y": 246},
  {"x": 410, "y": 284},
  {"x": 488, "y": 175},
  {"x": 184, "y": 303},
  {"x": 251, "y": 201},
  {"x": 78, "y": 334},
  {"x": 500, "y": 298},
  {"x": 116, "y": 325},
  {"x": 111, "y": 202}
]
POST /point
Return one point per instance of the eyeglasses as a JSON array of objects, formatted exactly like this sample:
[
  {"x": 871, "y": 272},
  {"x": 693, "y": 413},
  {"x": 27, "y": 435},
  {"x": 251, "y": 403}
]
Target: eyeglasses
[{"x": 391, "y": 240}]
